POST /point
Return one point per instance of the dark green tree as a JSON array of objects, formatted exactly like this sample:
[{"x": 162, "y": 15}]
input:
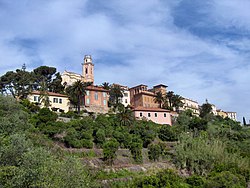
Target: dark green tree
[
  {"x": 136, "y": 149},
  {"x": 159, "y": 98},
  {"x": 205, "y": 109},
  {"x": 77, "y": 93},
  {"x": 109, "y": 150},
  {"x": 106, "y": 85},
  {"x": 244, "y": 121},
  {"x": 154, "y": 152},
  {"x": 125, "y": 116},
  {"x": 115, "y": 95}
]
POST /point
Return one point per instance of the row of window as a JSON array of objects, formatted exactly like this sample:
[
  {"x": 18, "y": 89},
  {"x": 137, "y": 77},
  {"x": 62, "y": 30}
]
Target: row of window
[
  {"x": 55, "y": 100},
  {"x": 104, "y": 101},
  {"x": 96, "y": 94},
  {"x": 156, "y": 115}
]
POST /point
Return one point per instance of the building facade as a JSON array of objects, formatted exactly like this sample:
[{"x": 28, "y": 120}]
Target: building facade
[
  {"x": 192, "y": 105},
  {"x": 58, "y": 102},
  {"x": 157, "y": 115},
  {"x": 96, "y": 99},
  {"x": 68, "y": 78},
  {"x": 232, "y": 115}
]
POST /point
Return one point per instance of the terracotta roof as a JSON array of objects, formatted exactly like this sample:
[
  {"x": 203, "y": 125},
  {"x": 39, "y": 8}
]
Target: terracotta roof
[
  {"x": 140, "y": 108},
  {"x": 49, "y": 93},
  {"x": 96, "y": 88}
]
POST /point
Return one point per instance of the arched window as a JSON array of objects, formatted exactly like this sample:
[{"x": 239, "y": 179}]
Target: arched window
[{"x": 86, "y": 70}]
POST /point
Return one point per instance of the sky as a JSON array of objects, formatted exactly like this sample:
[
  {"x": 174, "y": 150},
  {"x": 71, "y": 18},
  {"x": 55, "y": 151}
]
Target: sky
[{"x": 199, "y": 49}]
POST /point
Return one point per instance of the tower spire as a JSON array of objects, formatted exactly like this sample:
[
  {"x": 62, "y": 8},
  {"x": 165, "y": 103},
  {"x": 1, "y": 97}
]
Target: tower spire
[{"x": 88, "y": 69}]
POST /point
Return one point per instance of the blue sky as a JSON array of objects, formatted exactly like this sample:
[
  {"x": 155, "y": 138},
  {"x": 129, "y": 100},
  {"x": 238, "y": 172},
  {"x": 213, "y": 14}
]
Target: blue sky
[{"x": 200, "y": 49}]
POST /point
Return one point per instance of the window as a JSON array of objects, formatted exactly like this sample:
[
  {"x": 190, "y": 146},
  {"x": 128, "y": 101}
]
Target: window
[
  {"x": 126, "y": 100},
  {"x": 149, "y": 115},
  {"x": 55, "y": 100},
  {"x": 104, "y": 94},
  {"x": 104, "y": 102},
  {"x": 165, "y": 115},
  {"x": 87, "y": 93},
  {"x": 155, "y": 114},
  {"x": 140, "y": 114},
  {"x": 36, "y": 98},
  {"x": 60, "y": 101},
  {"x": 86, "y": 71},
  {"x": 96, "y": 95},
  {"x": 87, "y": 101},
  {"x": 125, "y": 94}
]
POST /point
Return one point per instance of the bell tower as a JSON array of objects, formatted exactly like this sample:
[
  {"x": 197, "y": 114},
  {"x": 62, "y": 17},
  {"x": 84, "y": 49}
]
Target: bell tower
[{"x": 88, "y": 69}]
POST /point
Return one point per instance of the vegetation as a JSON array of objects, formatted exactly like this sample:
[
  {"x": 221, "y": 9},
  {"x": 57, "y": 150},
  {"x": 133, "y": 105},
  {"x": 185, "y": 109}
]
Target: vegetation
[{"x": 209, "y": 150}]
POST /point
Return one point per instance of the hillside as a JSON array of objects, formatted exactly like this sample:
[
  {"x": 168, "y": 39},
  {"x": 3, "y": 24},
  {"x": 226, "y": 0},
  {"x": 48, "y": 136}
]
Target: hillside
[{"x": 39, "y": 148}]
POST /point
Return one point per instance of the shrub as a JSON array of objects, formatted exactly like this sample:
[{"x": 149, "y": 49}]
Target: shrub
[
  {"x": 109, "y": 150},
  {"x": 154, "y": 152}
]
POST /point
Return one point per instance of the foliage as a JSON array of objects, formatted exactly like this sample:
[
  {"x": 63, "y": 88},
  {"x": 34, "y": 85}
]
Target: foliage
[
  {"x": 167, "y": 133},
  {"x": 109, "y": 150},
  {"x": 165, "y": 178},
  {"x": 115, "y": 94},
  {"x": 76, "y": 94},
  {"x": 200, "y": 155},
  {"x": 225, "y": 179},
  {"x": 154, "y": 152},
  {"x": 205, "y": 109},
  {"x": 159, "y": 98},
  {"x": 136, "y": 149}
]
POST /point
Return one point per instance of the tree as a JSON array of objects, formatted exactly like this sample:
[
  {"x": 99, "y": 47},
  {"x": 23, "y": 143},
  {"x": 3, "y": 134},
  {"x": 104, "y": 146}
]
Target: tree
[
  {"x": 244, "y": 121},
  {"x": 109, "y": 150},
  {"x": 125, "y": 116},
  {"x": 169, "y": 98},
  {"x": 44, "y": 96},
  {"x": 17, "y": 83},
  {"x": 106, "y": 85},
  {"x": 136, "y": 149},
  {"x": 76, "y": 94},
  {"x": 56, "y": 84},
  {"x": 115, "y": 95},
  {"x": 177, "y": 102},
  {"x": 167, "y": 133},
  {"x": 159, "y": 98},
  {"x": 154, "y": 152},
  {"x": 205, "y": 109}
]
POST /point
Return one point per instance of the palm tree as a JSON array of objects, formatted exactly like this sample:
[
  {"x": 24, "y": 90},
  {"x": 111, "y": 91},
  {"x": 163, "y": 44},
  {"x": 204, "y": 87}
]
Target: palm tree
[
  {"x": 159, "y": 98},
  {"x": 125, "y": 116},
  {"x": 44, "y": 96},
  {"x": 76, "y": 93},
  {"x": 177, "y": 102},
  {"x": 169, "y": 98},
  {"x": 106, "y": 85},
  {"x": 115, "y": 94}
]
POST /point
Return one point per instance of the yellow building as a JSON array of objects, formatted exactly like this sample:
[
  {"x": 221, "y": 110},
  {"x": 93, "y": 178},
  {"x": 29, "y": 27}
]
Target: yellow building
[
  {"x": 221, "y": 113},
  {"x": 58, "y": 102},
  {"x": 189, "y": 104}
]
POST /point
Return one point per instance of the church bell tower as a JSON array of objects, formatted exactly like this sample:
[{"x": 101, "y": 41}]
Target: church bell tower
[{"x": 88, "y": 69}]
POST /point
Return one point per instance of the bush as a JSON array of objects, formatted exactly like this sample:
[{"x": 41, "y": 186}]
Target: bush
[
  {"x": 99, "y": 137},
  {"x": 154, "y": 152},
  {"x": 225, "y": 179},
  {"x": 167, "y": 133},
  {"x": 109, "y": 150},
  {"x": 136, "y": 149}
]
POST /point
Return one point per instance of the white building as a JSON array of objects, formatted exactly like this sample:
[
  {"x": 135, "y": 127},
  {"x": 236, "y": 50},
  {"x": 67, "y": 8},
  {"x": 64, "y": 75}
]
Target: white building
[
  {"x": 189, "y": 104},
  {"x": 232, "y": 115}
]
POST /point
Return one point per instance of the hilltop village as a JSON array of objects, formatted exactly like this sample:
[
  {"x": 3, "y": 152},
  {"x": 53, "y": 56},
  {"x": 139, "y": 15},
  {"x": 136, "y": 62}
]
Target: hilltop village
[{"x": 140, "y": 98}]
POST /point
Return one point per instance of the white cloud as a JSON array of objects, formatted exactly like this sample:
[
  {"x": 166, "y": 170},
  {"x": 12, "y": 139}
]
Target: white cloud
[{"x": 141, "y": 42}]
